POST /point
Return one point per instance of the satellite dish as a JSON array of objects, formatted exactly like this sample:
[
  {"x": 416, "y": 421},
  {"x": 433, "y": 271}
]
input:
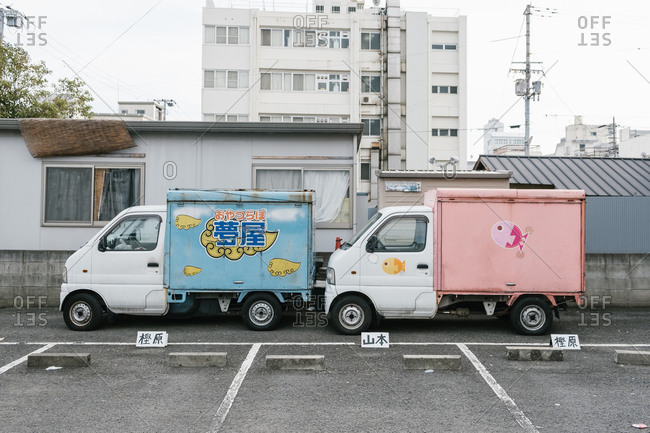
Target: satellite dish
[
  {"x": 376, "y": 2},
  {"x": 453, "y": 160}
]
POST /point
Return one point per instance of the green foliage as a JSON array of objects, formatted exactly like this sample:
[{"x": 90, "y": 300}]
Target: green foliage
[{"x": 25, "y": 91}]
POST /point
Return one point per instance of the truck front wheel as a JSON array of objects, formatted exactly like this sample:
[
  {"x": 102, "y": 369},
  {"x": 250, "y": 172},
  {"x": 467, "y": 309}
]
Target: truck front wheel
[
  {"x": 351, "y": 315},
  {"x": 262, "y": 312},
  {"x": 82, "y": 312},
  {"x": 531, "y": 316}
]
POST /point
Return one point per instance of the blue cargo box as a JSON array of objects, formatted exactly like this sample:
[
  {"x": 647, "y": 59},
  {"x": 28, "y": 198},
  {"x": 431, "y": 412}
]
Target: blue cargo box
[{"x": 238, "y": 241}]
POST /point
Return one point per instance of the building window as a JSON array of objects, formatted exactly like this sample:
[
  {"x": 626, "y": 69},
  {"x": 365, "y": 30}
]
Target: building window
[
  {"x": 336, "y": 9},
  {"x": 371, "y": 127},
  {"x": 370, "y": 40},
  {"x": 333, "y": 82},
  {"x": 370, "y": 84},
  {"x": 287, "y": 81},
  {"x": 89, "y": 194},
  {"x": 444, "y": 132},
  {"x": 352, "y": 9},
  {"x": 332, "y": 186},
  {"x": 444, "y": 89},
  {"x": 225, "y": 117},
  {"x": 139, "y": 112},
  {"x": 443, "y": 46},
  {"x": 231, "y": 35},
  {"x": 225, "y": 79},
  {"x": 339, "y": 39},
  {"x": 365, "y": 171},
  {"x": 299, "y": 119},
  {"x": 320, "y": 9}
]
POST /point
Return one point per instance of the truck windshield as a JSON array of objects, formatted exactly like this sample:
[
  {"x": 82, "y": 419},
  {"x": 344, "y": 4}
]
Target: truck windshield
[{"x": 355, "y": 238}]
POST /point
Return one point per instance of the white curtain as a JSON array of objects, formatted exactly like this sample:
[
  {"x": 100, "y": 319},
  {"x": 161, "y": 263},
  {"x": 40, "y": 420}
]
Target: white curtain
[
  {"x": 331, "y": 187},
  {"x": 278, "y": 179}
]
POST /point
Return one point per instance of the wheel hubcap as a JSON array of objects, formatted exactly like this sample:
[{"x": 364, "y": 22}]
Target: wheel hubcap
[
  {"x": 80, "y": 313},
  {"x": 261, "y": 313},
  {"x": 351, "y": 316},
  {"x": 533, "y": 317}
]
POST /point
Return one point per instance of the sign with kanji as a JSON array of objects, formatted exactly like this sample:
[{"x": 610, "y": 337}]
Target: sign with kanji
[
  {"x": 565, "y": 341},
  {"x": 375, "y": 340},
  {"x": 151, "y": 339}
]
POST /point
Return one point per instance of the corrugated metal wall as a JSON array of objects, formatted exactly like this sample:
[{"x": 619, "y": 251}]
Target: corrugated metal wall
[{"x": 618, "y": 225}]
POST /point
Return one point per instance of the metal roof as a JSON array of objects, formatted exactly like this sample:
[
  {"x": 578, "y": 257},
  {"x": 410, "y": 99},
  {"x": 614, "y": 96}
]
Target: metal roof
[{"x": 596, "y": 176}]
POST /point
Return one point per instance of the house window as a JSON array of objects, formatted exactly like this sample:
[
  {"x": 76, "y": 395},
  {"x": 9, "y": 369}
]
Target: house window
[
  {"x": 370, "y": 40},
  {"x": 231, "y": 35},
  {"x": 339, "y": 39},
  {"x": 320, "y": 9},
  {"x": 332, "y": 186},
  {"x": 370, "y": 84},
  {"x": 371, "y": 127},
  {"x": 139, "y": 112},
  {"x": 365, "y": 171},
  {"x": 89, "y": 194},
  {"x": 336, "y": 9},
  {"x": 288, "y": 81},
  {"x": 352, "y": 9}
]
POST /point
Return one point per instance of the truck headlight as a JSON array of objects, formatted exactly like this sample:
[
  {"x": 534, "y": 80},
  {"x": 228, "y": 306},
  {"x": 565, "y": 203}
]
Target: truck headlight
[{"x": 331, "y": 277}]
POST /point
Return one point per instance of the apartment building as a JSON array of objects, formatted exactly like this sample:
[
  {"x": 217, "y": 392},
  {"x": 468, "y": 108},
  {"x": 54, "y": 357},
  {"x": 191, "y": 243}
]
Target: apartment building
[{"x": 402, "y": 74}]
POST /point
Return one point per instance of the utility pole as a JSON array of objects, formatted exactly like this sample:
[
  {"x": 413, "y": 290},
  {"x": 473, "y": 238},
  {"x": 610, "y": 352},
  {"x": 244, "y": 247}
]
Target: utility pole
[
  {"x": 165, "y": 103},
  {"x": 524, "y": 87}
]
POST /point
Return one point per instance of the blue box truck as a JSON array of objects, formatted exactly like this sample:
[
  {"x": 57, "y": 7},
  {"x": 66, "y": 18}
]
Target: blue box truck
[{"x": 206, "y": 252}]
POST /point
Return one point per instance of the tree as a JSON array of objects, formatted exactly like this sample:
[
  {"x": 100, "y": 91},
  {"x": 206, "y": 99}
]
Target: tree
[{"x": 25, "y": 91}]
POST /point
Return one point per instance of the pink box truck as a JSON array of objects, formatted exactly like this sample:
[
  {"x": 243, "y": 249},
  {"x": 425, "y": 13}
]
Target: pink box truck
[{"x": 516, "y": 254}]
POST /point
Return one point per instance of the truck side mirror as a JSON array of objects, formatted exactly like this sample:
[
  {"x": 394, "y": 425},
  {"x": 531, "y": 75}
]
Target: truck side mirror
[
  {"x": 101, "y": 246},
  {"x": 372, "y": 244}
]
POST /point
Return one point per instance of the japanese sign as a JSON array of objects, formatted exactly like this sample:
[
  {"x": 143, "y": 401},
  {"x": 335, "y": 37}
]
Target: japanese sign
[
  {"x": 392, "y": 185},
  {"x": 233, "y": 233},
  {"x": 565, "y": 341},
  {"x": 151, "y": 339},
  {"x": 375, "y": 340}
]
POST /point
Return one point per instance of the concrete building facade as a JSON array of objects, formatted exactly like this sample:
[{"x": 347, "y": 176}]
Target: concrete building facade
[
  {"x": 134, "y": 110},
  {"x": 496, "y": 141},
  {"x": 402, "y": 74}
]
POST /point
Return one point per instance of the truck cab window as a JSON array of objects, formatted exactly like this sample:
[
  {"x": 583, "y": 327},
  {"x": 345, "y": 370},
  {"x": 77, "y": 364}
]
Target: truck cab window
[
  {"x": 402, "y": 234},
  {"x": 133, "y": 234}
]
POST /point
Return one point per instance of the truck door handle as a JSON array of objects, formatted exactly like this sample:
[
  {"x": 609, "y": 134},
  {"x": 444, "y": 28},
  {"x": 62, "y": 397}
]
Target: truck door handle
[
  {"x": 423, "y": 266},
  {"x": 152, "y": 265}
]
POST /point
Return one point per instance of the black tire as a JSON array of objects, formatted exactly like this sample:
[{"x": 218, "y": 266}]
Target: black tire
[
  {"x": 262, "y": 312},
  {"x": 351, "y": 315},
  {"x": 82, "y": 312},
  {"x": 531, "y": 316}
]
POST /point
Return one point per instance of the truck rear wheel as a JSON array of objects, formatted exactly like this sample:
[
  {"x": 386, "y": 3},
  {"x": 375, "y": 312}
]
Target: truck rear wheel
[
  {"x": 262, "y": 312},
  {"x": 82, "y": 312},
  {"x": 531, "y": 316},
  {"x": 351, "y": 315}
]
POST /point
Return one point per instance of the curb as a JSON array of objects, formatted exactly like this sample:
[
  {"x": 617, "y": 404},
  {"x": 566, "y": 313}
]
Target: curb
[
  {"x": 295, "y": 362},
  {"x": 197, "y": 359},
  {"x": 58, "y": 360},
  {"x": 432, "y": 362},
  {"x": 544, "y": 353}
]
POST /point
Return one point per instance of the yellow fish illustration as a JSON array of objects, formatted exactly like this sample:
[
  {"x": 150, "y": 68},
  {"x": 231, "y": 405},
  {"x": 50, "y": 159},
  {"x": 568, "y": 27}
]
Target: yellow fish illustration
[
  {"x": 191, "y": 270},
  {"x": 185, "y": 222},
  {"x": 282, "y": 267},
  {"x": 393, "y": 266},
  {"x": 235, "y": 252}
]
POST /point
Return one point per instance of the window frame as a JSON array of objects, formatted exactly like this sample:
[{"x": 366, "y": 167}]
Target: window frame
[
  {"x": 302, "y": 169},
  {"x": 367, "y": 83},
  {"x": 370, "y": 38},
  {"x": 420, "y": 246},
  {"x": 104, "y": 238},
  {"x": 227, "y": 36},
  {"x": 103, "y": 166},
  {"x": 370, "y": 121}
]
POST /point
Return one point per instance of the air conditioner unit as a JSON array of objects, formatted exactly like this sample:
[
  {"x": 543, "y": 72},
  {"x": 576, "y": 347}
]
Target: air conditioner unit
[{"x": 369, "y": 100}]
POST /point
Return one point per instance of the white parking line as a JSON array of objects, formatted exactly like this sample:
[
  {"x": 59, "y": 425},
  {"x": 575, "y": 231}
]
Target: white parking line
[
  {"x": 520, "y": 417},
  {"x": 222, "y": 412},
  {"x": 24, "y": 358},
  {"x": 311, "y": 343}
]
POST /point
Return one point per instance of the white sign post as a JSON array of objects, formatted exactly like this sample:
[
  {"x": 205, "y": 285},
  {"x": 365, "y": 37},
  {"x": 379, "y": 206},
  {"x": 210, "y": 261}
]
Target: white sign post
[
  {"x": 151, "y": 339},
  {"x": 375, "y": 340},
  {"x": 565, "y": 341}
]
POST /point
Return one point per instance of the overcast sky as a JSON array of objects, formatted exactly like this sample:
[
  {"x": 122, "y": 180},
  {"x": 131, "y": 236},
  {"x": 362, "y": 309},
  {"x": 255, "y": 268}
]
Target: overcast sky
[{"x": 141, "y": 50}]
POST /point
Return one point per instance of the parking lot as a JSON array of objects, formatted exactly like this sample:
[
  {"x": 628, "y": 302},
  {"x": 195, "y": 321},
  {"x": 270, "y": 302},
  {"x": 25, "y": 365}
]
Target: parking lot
[{"x": 360, "y": 389}]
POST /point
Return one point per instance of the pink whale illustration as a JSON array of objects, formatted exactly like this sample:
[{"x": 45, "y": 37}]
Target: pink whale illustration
[{"x": 506, "y": 234}]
